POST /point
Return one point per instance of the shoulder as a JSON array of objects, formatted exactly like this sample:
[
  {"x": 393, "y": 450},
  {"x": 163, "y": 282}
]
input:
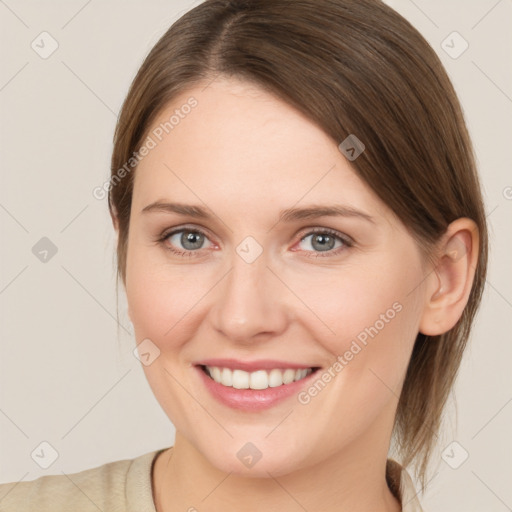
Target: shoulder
[{"x": 117, "y": 486}]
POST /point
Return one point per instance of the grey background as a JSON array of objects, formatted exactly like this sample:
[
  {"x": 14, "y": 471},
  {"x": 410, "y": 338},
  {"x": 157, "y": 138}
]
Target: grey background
[{"x": 68, "y": 376}]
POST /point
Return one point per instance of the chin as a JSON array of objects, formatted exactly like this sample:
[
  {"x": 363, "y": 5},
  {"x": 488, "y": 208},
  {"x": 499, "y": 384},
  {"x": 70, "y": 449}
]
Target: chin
[
  {"x": 258, "y": 459},
  {"x": 266, "y": 467}
]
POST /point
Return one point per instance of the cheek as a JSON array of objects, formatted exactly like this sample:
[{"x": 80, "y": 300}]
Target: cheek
[
  {"x": 375, "y": 319},
  {"x": 359, "y": 302},
  {"x": 161, "y": 299},
  {"x": 162, "y": 310},
  {"x": 369, "y": 322}
]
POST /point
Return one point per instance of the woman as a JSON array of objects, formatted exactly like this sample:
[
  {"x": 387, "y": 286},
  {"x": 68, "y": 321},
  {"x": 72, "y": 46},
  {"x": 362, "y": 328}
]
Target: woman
[{"x": 302, "y": 241}]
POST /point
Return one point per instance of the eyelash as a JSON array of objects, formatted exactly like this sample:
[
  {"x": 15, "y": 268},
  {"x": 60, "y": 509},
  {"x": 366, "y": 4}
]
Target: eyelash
[{"x": 347, "y": 241}]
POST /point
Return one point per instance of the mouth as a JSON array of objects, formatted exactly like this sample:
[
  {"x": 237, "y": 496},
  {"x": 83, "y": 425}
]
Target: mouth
[
  {"x": 253, "y": 386},
  {"x": 257, "y": 380}
]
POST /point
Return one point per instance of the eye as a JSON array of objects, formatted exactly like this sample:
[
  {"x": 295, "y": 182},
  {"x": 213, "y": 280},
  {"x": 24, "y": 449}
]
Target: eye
[
  {"x": 184, "y": 241},
  {"x": 190, "y": 241},
  {"x": 327, "y": 241}
]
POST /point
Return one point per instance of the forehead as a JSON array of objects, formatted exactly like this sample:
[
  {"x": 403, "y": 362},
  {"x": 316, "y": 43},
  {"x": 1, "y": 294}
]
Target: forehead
[{"x": 243, "y": 143}]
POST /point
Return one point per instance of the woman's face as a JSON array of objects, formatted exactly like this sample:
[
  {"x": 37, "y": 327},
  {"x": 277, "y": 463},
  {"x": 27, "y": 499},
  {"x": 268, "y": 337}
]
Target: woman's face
[{"x": 245, "y": 281}]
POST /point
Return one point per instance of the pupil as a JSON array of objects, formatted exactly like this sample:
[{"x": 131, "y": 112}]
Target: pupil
[
  {"x": 191, "y": 238},
  {"x": 324, "y": 241}
]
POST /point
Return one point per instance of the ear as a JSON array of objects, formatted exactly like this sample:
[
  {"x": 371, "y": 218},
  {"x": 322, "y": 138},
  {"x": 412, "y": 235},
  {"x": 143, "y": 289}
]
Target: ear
[{"x": 449, "y": 282}]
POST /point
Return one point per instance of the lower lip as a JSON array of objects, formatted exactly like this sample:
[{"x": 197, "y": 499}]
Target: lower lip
[{"x": 252, "y": 399}]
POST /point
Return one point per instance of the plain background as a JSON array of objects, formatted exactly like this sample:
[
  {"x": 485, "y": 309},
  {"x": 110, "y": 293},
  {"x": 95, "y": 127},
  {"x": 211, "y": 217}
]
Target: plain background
[{"x": 67, "y": 373}]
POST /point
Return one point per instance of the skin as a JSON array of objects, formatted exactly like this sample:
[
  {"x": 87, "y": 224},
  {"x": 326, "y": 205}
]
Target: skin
[{"x": 246, "y": 155}]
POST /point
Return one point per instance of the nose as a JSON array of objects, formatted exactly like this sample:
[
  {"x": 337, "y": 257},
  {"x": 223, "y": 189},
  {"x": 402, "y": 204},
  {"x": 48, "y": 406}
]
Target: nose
[{"x": 251, "y": 302}]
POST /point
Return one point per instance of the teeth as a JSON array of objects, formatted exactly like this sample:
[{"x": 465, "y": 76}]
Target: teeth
[
  {"x": 289, "y": 375},
  {"x": 260, "y": 379},
  {"x": 216, "y": 374},
  {"x": 275, "y": 378},
  {"x": 226, "y": 378},
  {"x": 240, "y": 379}
]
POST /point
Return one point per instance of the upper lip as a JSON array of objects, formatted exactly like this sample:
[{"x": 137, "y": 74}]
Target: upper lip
[{"x": 251, "y": 366}]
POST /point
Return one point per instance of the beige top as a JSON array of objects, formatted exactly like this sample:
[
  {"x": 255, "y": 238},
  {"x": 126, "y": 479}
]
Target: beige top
[{"x": 125, "y": 486}]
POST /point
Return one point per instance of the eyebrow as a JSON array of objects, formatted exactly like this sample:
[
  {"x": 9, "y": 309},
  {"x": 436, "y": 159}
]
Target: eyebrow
[{"x": 288, "y": 215}]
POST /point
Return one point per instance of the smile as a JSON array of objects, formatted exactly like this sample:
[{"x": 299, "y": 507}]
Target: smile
[{"x": 259, "y": 379}]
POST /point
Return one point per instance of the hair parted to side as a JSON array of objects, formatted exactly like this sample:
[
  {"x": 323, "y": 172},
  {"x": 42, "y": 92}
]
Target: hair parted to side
[{"x": 352, "y": 67}]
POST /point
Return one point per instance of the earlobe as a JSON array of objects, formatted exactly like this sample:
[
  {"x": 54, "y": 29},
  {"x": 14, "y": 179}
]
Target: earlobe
[{"x": 449, "y": 283}]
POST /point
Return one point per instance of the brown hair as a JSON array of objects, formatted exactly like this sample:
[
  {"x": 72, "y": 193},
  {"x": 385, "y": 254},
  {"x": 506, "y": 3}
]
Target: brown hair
[{"x": 352, "y": 67}]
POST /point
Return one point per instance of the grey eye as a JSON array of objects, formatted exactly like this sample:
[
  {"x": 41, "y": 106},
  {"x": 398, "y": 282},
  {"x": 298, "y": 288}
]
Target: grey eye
[
  {"x": 187, "y": 239},
  {"x": 322, "y": 241}
]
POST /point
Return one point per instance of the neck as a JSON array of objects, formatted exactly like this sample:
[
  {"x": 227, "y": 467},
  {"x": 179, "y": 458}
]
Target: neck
[{"x": 348, "y": 481}]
